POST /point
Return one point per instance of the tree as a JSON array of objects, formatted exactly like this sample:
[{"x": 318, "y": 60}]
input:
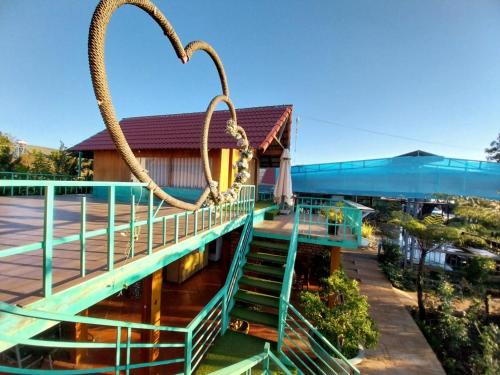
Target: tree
[
  {"x": 63, "y": 161},
  {"x": 493, "y": 152},
  {"x": 7, "y": 161},
  {"x": 430, "y": 233},
  {"x": 478, "y": 271},
  {"x": 41, "y": 163}
]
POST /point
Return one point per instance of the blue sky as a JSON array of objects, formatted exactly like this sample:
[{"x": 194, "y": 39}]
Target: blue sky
[{"x": 425, "y": 70}]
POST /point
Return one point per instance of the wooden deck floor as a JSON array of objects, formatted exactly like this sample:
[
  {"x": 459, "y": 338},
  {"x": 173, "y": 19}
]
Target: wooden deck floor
[
  {"x": 21, "y": 223},
  {"x": 283, "y": 225}
]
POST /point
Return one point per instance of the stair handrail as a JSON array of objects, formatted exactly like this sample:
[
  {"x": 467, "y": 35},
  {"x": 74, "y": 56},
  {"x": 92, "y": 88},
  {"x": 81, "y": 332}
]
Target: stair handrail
[
  {"x": 286, "y": 288},
  {"x": 235, "y": 270},
  {"x": 213, "y": 319},
  {"x": 245, "y": 366},
  {"x": 319, "y": 340}
]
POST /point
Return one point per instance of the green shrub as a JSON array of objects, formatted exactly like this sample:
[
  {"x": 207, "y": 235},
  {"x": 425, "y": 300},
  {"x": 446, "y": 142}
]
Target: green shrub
[
  {"x": 348, "y": 324},
  {"x": 391, "y": 253}
]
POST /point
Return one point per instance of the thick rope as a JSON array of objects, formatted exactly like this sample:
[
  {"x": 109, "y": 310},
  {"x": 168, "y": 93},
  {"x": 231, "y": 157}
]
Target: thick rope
[{"x": 96, "y": 47}]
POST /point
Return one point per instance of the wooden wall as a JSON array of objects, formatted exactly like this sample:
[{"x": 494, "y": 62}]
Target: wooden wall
[{"x": 108, "y": 166}]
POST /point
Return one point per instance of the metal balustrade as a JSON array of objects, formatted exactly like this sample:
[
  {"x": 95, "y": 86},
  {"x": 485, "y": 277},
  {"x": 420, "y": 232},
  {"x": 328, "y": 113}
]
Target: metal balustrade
[
  {"x": 308, "y": 349},
  {"x": 330, "y": 224},
  {"x": 197, "y": 338},
  {"x": 298, "y": 341},
  {"x": 263, "y": 362},
  {"x": 202, "y": 219},
  {"x": 7, "y": 189}
]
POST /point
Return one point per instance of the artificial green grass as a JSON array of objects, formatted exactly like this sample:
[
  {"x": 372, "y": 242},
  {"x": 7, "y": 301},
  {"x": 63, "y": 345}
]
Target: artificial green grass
[
  {"x": 231, "y": 348},
  {"x": 263, "y": 204}
]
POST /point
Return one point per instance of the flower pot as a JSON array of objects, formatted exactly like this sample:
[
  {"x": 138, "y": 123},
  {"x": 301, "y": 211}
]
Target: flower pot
[{"x": 365, "y": 242}]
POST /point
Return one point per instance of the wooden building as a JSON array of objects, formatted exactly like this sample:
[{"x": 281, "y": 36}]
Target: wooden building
[{"x": 168, "y": 146}]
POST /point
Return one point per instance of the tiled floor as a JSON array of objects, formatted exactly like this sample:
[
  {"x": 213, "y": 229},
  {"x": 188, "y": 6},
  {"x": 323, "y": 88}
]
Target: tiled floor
[{"x": 402, "y": 348}]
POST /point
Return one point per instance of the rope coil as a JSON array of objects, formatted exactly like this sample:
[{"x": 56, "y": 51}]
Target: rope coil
[{"x": 96, "y": 44}]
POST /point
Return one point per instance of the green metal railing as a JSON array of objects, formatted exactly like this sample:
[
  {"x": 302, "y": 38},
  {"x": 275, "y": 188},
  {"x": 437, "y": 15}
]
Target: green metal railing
[
  {"x": 298, "y": 341},
  {"x": 195, "y": 340},
  {"x": 29, "y": 189},
  {"x": 236, "y": 269},
  {"x": 203, "y": 219},
  {"x": 330, "y": 223},
  {"x": 263, "y": 362},
  {"x": 317, "y": 201},
  {"x": 214, "y": 318},
  {"x": 286, "y": 288},
  {"x": 123, "y": 342},
  {"x": 308, "y": 349}
]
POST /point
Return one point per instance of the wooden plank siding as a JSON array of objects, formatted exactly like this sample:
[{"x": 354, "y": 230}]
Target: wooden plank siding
[{"x": 108, "y": 166}]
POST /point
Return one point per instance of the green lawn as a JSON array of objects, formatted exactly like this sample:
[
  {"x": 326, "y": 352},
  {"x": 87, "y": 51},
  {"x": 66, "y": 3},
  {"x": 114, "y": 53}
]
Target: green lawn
[{"x": 229, "y": 349}]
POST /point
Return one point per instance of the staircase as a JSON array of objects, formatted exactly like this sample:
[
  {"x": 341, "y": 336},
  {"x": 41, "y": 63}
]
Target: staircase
[{"x": 257, "y": 299}]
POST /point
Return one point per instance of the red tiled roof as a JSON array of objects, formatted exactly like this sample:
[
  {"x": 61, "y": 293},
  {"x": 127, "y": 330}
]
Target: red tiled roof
[{"x": 183, "y": 131}]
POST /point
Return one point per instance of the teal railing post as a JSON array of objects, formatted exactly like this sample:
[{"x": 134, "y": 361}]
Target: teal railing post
[
  {"x": 83, "y": 238},
  {"x": 344, "y": 217},
  {"x": 132, "y": 227},
  {"x": 127, "y": 353},
  {"x": 265, "y": 362},
  {"x": 111, "y": 227},
  {"x": 48, "y": 238},
  {"x": 150, "y": 222},
  {"x": 188, "y": 345},
  {"x": 225, "y": 314},
  {"x": 118, "y": 351},
  {"x": 164, "y": 230}
]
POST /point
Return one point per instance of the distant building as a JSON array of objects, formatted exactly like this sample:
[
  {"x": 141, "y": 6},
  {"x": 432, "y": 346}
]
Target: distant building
[{"x": 20, "y": 148}]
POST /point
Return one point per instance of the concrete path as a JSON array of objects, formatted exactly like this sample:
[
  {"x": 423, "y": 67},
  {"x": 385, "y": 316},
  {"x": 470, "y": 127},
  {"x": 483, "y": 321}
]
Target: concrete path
[{"x": 402, "y": 348}]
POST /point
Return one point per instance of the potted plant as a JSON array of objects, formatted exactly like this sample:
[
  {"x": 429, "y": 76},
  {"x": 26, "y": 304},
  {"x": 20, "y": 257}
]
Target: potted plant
[
  {"x": 366, "y": 234},
  {"x": 346, "y": 324},
  {"x": 334, "y": 216}
]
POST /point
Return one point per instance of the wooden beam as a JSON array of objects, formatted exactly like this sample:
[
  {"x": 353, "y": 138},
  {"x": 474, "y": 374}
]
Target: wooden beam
[
  {"x": 80, "y": 334},
  {"x": 151, "y": 314}
]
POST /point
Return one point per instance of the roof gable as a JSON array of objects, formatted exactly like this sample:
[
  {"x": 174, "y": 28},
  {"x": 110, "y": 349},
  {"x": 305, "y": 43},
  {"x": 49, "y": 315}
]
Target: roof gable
[{"x": 183, "y": 131}]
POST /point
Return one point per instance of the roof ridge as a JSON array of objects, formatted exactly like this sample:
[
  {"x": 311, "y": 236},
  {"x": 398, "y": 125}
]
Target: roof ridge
[{"x": 202, "y": 112}]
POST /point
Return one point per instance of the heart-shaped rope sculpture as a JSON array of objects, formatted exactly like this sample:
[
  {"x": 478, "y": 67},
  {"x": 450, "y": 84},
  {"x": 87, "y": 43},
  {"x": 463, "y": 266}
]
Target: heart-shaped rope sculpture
[{"x": 211, "y": 194}]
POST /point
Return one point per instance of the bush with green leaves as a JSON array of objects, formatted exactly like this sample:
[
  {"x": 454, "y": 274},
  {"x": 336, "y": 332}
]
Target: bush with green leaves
[
  {"x": 348, "y": 324},
  {"x": 464, "y": 342}
]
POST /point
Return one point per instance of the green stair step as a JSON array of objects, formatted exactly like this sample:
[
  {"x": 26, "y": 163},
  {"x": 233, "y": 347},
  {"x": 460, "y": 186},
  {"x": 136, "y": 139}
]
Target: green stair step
[
  {"x": 273, "y": 286},
  {"x": 257, "y": 298},
  {"x": 255, "y": 316},
  {"x": 277, "y": 246},
  {"x": 280, "y": 259},
  {"x": 264, "y": 270}
]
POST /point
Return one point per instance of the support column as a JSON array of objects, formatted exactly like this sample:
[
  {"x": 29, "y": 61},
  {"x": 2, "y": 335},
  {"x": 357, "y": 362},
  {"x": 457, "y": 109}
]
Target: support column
[
  {"x": 151, "y": 314},
  {"x": 80, "y": 334},
  {"x": 335, "y": 259},
  {"x": 221, "y": 168}
]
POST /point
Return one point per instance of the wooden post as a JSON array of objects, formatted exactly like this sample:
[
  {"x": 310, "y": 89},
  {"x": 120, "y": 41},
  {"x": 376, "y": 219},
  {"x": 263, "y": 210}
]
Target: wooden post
[
  {"x": 334, "y": 266},
  {"x": 334, "y": 259},
  {"x": 80, "y": 334},
  {"x": 151, "y": 314}
]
